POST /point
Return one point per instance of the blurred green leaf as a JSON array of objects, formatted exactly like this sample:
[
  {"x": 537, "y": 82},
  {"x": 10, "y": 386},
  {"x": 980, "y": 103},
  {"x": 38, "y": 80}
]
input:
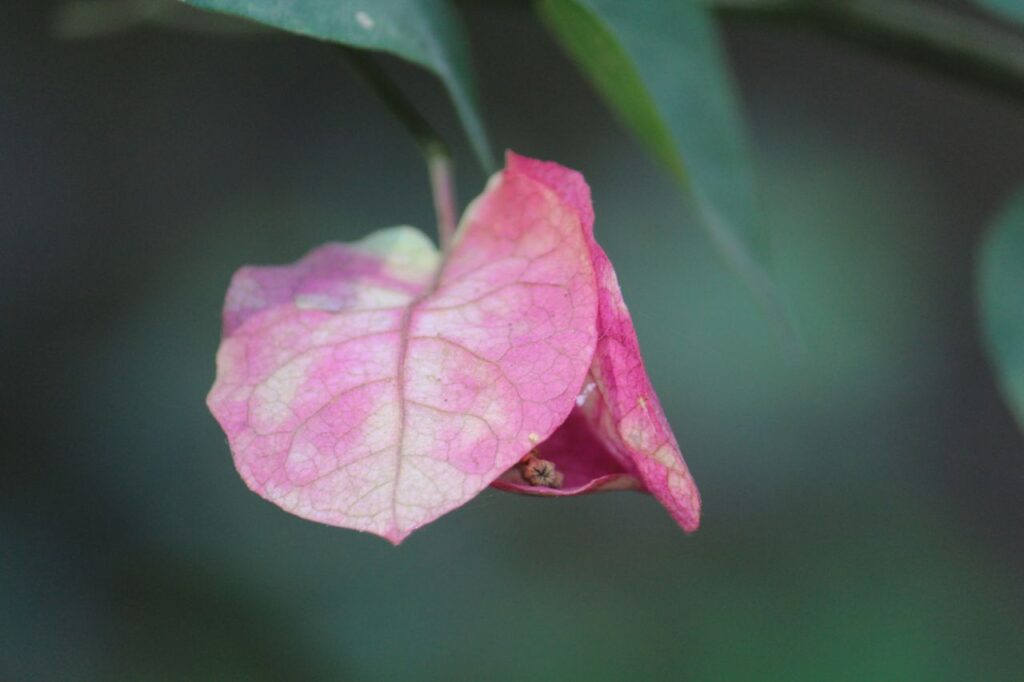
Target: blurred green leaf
[
  {"x": 1008, "y": 9},
  {"x": 661, "y": 68},
  {"x": 81, "y": 19},
  {"x": 424, "y": 32},
  {"x": 1002, "y": 300}
]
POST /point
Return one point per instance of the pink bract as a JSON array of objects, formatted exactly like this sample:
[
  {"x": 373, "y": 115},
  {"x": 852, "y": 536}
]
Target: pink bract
[
  {"x": 378, "y": 385},
  {"x": 617, "y": 436}
]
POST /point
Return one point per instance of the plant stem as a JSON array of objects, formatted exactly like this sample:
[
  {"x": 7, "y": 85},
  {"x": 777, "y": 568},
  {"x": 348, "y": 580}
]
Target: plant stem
[
  {"x": 442, "y": 185},
  {"x": 932, "y": 35},
  {"x": 433, "y": 148}
]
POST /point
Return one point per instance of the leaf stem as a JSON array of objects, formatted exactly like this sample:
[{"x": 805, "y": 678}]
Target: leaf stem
[
  {"x": 935, "y": 36},
  {"x": 442, "y": 185},
  {"x": 433, "y": 148}
]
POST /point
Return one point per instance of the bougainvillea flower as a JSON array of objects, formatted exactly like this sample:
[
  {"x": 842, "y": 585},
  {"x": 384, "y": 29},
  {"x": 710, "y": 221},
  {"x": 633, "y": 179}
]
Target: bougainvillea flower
[
  {"x": 617, "y": 436},
  {"x": 381, "y": 384}
]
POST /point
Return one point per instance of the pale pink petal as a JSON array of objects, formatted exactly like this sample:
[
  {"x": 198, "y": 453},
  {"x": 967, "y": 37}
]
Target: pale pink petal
[
  {"x": 630, "y": 441},
  {"x": 374, "y": 387}
]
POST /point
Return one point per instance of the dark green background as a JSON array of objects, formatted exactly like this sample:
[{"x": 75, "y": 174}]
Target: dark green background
[{"x": 863, "y": 514}]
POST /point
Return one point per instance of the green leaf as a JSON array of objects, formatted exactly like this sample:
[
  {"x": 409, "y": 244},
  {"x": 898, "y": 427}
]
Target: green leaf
[
  {"x": 424, "y": 32},
  {"x": 1001, "y": 280},
  {"x": 1007, "y": 9},
  {"x": 661, "y": 68}
]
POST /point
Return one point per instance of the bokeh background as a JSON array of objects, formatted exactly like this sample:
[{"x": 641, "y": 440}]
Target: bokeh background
[{"x": 863, "y": 515}]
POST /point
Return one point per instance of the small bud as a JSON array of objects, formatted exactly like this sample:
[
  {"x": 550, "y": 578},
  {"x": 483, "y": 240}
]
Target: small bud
[{"x": 540, "y": 472}]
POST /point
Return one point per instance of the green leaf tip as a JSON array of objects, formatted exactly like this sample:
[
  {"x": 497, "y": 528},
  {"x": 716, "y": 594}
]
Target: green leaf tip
[{"x": 662, "y": 70}]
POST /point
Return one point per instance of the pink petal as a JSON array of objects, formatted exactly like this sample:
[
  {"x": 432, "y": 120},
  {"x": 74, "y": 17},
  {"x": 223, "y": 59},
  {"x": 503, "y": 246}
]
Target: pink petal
[
  {"x": 618, "y": 436},
  {"x": 374, "y": 387}
]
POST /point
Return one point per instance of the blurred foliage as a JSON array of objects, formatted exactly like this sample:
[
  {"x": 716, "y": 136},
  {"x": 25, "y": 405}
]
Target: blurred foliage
[
  {"x": 86, "y": 19},
  {"x": 863, "y": 499},
  {"x": 1010, "y": 9},
  {"x": 658, "y": 64},
  {"x": 1001, "y": 275}
]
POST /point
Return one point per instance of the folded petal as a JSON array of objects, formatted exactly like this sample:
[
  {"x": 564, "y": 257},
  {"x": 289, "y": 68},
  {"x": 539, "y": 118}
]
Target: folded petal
[
  {"x": 618, "y": 436},
  {"x": 376, "y": 386}
]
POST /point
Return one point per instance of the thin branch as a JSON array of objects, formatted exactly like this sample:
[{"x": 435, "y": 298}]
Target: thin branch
[
  {"x": 932, "y": 35},
  {"x": 433, "y": 148}
]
